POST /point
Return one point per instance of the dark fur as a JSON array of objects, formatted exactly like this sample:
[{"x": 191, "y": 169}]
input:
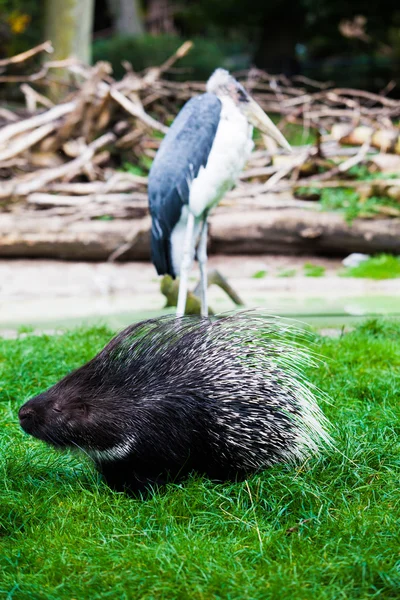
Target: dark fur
[{"x": 190, "y": 394}]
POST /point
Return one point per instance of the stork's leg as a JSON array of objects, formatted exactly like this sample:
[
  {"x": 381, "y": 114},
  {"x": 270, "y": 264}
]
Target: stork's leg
[
  {"x": 185, "y": 266},
  {"x": 202, "y": 258}
]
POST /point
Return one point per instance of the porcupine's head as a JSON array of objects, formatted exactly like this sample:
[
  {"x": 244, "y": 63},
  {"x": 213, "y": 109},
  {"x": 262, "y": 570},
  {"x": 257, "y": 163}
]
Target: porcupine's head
[
  {"x": 95, "y": 407},
  {"x": 100, "y": 406},
  {"x": 79, "y": 411}
]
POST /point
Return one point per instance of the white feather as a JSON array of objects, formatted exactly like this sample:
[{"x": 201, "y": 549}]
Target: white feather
[
  {"x": 229, "y": 153},
  {"x": 218, "y": 79}
]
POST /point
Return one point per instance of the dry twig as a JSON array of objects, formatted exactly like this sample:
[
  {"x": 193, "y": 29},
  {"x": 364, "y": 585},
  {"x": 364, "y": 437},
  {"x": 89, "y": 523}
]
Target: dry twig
[{"x": 102, "y": 123}]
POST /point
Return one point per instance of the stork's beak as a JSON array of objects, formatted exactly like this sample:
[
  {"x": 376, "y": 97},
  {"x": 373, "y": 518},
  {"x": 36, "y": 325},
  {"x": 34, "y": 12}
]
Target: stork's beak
[{"x": 257, "y": 117}]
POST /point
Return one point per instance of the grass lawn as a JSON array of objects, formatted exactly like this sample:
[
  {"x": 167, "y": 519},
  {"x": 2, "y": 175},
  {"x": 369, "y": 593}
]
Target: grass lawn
[
  {"x": 327, "y": 529},
  {"x": 381, "y": 266}
]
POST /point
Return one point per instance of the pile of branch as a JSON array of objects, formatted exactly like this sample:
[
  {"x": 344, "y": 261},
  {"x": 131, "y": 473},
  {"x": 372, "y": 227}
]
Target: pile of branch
[
  {"x": 322, "y": 105},
  {"x": 64, "y": 159}
]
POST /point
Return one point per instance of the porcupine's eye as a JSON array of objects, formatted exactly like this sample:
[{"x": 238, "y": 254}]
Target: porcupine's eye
[
  {"x": 80, "y": 410},
  {"x": 70, "y": 411}
]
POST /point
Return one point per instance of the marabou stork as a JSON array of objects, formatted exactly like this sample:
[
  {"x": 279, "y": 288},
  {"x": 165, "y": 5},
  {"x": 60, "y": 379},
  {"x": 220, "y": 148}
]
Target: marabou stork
[{"x": 198, "y": 161}]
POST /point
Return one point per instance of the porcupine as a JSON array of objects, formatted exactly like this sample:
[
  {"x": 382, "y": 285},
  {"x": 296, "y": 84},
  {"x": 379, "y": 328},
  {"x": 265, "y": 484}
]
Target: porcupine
[{"x": 167, "y": 396}]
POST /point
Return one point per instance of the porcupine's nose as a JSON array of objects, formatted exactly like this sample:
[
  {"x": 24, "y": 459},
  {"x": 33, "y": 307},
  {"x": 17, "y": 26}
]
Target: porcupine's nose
[{"x": 26, "y": 416}]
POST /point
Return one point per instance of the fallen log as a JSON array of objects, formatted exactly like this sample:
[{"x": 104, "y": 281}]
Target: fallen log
[
  {"x": 68, "y": 239},
  {"x": 299, "y": 231},
  {"x": 276, "y": 231},
  {"x": 135, "y": 198}
]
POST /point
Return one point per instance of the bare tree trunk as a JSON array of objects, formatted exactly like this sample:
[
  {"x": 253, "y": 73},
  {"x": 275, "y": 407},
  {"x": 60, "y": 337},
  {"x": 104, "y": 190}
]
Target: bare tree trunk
[
  {"x": 127, "y": 16},
  {"x": 69, "y": 24},
  {"x": 160, "y": 17}
]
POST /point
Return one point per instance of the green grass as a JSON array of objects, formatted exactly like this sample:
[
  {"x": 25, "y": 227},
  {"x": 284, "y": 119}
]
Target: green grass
[
  {"x": 311, "y": 270},
  {"x": 142, "y": 167},
  {"x": 287, "y": 273},
  {"x": 328, "y": 529},
  {"x": 349, "y": 202},
  {"x": 134, "y": 169},
  {"x": 260, "y": 274},
  {"x": 353, "y": 206},
  {"x": 382, "y": 266}
]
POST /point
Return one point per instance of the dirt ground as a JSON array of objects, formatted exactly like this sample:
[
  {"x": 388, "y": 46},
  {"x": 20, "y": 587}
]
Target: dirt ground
[{"x": 47, "y": 294}]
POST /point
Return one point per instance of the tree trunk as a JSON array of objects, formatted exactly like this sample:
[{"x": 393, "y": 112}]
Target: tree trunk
[
  {"x": 69, "y": 24},
  {"x": 127, "y": 17},
  {"x": 160, "y": 17},
  {"x": 276, "y": 47}
]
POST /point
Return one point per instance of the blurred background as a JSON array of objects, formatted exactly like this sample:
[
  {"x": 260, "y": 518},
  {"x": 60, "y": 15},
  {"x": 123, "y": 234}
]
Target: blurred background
[
  {"x": 89, "y": 88},
  {"x": 353, "y": 43}
]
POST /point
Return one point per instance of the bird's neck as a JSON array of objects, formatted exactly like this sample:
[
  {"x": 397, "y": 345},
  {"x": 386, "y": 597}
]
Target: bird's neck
[{"x": 230, "y": 110}]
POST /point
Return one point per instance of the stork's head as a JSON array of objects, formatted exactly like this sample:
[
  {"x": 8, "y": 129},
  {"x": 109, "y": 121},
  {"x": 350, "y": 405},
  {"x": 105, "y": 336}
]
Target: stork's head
[{"x": 222, "y": 84}]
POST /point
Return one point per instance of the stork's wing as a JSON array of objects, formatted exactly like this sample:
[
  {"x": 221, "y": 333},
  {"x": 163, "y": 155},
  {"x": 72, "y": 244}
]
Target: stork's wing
[{"x": 182, "y": 152}]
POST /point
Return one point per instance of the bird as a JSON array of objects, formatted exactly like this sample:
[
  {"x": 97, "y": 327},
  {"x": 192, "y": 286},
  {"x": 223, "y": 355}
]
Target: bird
[{"x": 198, "y": 161}]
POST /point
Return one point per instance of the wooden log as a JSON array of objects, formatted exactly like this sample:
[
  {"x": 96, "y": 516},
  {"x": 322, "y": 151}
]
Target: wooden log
[
  {"x": 299, "y": 231},
  {"x": 134, "y": 198},
  {"x": 292, "y": 231},
  {"x": 120, "y": 182},
  {"x": 8, "y": 115},
  {"x": 68, "y": 239},
  {"x": 32, "y": 98}
]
